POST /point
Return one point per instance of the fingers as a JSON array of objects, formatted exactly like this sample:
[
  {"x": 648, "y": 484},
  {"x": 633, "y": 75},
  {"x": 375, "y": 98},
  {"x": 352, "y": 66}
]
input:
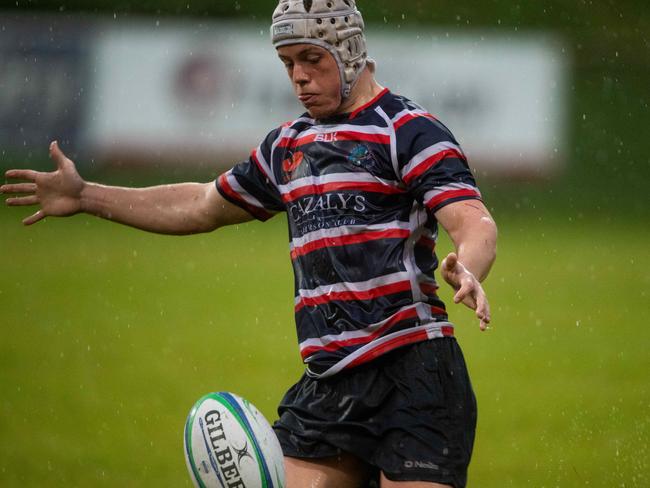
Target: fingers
[
  {"x": 460, "y": 294},
  {"x": 22, "y": 201},
  {"x": 22, "y": 174},
  {"x": 466, "y": 293},
  {"x": 32, "y": 219},
  {"x": 472, "y": 295},
  {"x": 28, "y": 174},
  {"x": 57, "y": 155},
  {"x": 483, "y": 311},
  {"x": 450, "y": 261},
  {"x": 19, "y": 188},
  {"x": 484, "y": 325}
]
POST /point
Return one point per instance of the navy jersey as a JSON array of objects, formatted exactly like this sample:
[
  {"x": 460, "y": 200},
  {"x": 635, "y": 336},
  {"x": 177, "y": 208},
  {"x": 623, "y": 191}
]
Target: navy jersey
[{"x": 360, "y": 191}]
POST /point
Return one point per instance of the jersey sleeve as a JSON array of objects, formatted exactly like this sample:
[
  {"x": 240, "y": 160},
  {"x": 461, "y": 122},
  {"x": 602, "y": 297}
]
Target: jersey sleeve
[
  {"x": 432, "y": 165},
  {"x": 251, "y": 184}
]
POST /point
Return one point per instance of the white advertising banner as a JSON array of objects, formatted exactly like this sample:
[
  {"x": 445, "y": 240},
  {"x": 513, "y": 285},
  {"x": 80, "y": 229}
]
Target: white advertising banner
[{"x": 182, "y": 93}]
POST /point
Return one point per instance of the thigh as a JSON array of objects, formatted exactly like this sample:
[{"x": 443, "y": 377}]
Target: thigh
[
  {"x": 430, "y": 433},
  {"x": 386, "y": 483},
  {"x": 344, "y": 470}
]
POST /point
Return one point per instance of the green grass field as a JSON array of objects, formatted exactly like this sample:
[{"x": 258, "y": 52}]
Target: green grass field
[{"x": 108, "y": 336}]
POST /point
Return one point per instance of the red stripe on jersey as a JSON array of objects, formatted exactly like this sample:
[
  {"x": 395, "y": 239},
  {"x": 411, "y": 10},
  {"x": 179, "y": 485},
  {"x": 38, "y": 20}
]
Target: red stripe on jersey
[
  {"x": 291, "y": 143},
  {"x": 348, "y": 239},
  {"x": 439, "y": 311},
  {"x": 416, "y": 336},
  {"x": 402, "y": 340},
  {"x": 448, "y": 195},
  {"x": 351, "y": 295},
  {"x": 366, "y": 105},
  {"x": 334, "y": 345},
  {"x": 431, "y": 161},
  {"x": 362, "y": 136},
  {"x": 340, "y": 185},
  {"x": 447, "y": 331},
  {"x": 408, "y": 117},
  {"x": 427, "y": 242},
  {"x": 228, "y": 190},
  {"x": 429, "y": 289}
]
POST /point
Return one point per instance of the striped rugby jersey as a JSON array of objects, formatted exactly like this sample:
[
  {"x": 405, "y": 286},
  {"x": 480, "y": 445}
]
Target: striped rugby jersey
[{"x": 360, "y": 191}]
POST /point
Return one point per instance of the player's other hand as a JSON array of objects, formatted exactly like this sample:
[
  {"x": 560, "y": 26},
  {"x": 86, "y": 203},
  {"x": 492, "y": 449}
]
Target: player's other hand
[
  {"x": 58, "y": 193},
  {"x": 468, "y": 289}
]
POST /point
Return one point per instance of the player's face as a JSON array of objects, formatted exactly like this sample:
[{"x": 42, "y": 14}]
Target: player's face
[{"x": 314, "y": 76}]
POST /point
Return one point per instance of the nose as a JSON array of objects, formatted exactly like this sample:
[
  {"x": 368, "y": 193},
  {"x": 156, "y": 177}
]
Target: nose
[{"x": 300, "y": 76}]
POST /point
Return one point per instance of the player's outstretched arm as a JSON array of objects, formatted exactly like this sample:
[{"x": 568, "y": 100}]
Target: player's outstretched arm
[
  {"x": 474, "y": 234},
  {"x": 185, "y": 208}
]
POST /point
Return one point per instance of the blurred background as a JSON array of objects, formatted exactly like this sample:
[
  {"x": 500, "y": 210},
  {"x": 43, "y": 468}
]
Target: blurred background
[{"x": 108, "y": 335}]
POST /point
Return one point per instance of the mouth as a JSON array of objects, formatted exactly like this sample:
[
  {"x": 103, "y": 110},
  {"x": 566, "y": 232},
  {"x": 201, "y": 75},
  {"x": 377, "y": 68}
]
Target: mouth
[{"x": 307, "y": 98}]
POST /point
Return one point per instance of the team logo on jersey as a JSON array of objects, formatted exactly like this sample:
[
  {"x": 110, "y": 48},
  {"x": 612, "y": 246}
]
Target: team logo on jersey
[
  {"x": 292, "y": 163},
  {"x": 360, "y": 155}
]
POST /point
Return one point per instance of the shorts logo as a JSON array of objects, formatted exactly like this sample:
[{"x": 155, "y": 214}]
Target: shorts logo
[{"x": 421, "y": 465}]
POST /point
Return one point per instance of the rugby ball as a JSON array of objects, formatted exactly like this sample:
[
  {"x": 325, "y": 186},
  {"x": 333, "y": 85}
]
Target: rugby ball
[{"x": 229, "y": 444}]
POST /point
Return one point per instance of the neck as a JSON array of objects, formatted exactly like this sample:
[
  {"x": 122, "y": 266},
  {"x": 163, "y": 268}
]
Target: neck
[{"x": 363, "y": 91}]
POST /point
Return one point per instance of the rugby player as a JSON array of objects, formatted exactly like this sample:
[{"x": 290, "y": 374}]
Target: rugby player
[{"x": 365, "y": 176}]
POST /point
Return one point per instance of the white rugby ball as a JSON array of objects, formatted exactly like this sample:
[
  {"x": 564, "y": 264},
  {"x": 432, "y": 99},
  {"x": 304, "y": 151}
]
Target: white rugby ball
[{"x": 229, "y": 444}]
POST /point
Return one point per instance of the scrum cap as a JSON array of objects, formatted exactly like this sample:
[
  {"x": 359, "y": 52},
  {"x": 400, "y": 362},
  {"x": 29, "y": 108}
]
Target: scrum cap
[{"x": 335, "y": 25}]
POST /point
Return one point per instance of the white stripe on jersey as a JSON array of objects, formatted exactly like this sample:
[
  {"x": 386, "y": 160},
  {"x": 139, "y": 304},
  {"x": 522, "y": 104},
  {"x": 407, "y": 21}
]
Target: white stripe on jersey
[
  {"x": 433, "y": 330},
  {"x": 360, "y": 177},
  {"x": 352, "y": 334},
  {"x": 241, "y": 191},
  {"x": 416, "y": 216},
  {"x": 346, "y": 230},
  {"x": 266, "y": 169},
  {"x": 306, "y": 120},
  {"x": 411, "y": 112},
  {"x": 285, "y": 132},
  {"x": 426, "y": 153},
  {"x": 358, "y": 286},
  {"x": 329, "y": 129},
  {"x": 393, "y": 143}
]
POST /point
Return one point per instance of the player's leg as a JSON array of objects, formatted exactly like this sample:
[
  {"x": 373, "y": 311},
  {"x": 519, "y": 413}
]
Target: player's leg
[
  {"x": 386, "y": 483},
  {"x": 323, "y": 444},
  {"x": 431, "y": 421},
  {"x": 332, "y": 472}
]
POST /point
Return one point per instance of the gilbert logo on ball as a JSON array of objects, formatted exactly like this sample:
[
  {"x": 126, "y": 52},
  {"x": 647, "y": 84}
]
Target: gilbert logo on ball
[{"x": 229, "y": 444}]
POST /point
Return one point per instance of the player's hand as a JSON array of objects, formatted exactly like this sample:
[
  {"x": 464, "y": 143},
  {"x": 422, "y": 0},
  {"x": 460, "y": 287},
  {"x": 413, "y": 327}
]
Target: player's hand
[
  {"x": 58, "y": 193},
  {"x": 468, "y": 289}
]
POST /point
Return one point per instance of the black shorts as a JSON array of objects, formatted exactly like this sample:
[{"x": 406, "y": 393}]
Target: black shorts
[{"x": 410, "y": 413}]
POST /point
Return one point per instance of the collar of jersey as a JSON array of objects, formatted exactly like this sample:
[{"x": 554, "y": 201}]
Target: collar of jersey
[{"x": 338, "y": 118}]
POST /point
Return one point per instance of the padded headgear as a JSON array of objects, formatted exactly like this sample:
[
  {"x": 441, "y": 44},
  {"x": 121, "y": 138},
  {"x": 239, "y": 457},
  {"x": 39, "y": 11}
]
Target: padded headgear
[{"x": 335, "y": 25}]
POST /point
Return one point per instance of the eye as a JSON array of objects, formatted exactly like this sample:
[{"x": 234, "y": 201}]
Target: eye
[{"x": 313, "y": 59}]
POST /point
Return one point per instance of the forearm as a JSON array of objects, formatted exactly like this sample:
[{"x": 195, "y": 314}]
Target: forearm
[
  {"x": 476, "y": 249},
  {"x": 167, "y": 209},
  {"x": 474, "y": 234}
]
